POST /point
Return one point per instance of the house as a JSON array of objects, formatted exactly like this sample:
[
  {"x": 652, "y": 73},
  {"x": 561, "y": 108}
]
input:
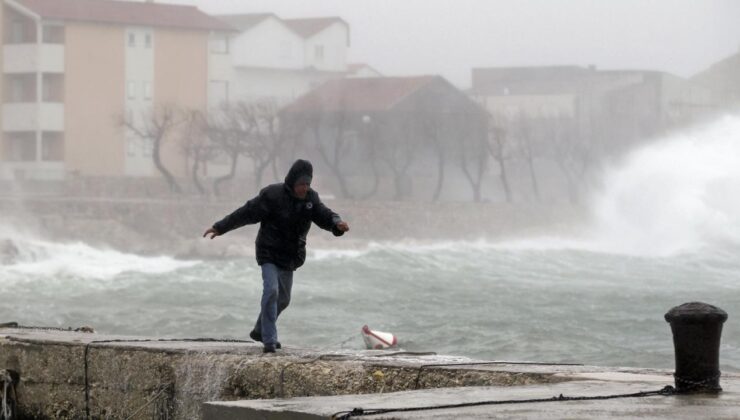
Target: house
[
  {"x": 282, "y": 59},
  {"x": 615, "y": 108},
  {"x": 398, "y": 137},
  {"x": 723, "y": 79},
  {"x": 73, "y": 69}
]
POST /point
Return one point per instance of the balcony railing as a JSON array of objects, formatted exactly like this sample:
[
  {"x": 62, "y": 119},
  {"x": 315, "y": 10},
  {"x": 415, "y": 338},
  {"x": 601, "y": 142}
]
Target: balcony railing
[
  {"x": 32, "y": 170},
  {"x": 30, "y": 116},
  {"x": 31, "y": 58}
]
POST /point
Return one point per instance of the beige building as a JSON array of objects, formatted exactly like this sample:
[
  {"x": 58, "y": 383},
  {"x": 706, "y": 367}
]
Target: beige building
[{"x": 72, "y": 70}]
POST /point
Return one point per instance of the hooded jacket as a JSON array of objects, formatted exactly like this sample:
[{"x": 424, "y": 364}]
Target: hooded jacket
[{"x": 284, "y": 219}]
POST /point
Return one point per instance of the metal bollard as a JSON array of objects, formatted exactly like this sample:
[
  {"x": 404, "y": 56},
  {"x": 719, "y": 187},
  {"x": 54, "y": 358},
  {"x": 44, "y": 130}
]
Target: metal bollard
[{"x": 697, "y": 330}]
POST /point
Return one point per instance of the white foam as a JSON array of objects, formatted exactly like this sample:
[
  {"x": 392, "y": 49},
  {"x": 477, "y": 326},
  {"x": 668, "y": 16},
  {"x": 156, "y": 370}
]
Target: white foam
[
  {"x": 34, "y": 256},
  {"x": 678, "y": 195}
]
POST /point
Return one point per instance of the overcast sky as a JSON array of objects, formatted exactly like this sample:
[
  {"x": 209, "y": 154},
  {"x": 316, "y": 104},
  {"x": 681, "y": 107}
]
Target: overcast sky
[{"x": 449, "y": 37}]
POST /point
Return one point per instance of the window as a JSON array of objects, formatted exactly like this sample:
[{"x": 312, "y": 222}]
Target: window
[
  {"x": 52, "y": 87},
  {"x": 131, "y": 90},
  {"x": 318, "y": 52},
  {"x": 147, "y": 40},
  {"x": 53, "y": 34},
  {"x": 52, "y": 146},
  {"x": 132, "y": 146},
  {"x": 21, "y": 146},
  {"x": 17, "y": 32},
  {"x": 148, "y": 90},
  {"x": 20, "y": 88},
  {"x": 147, "y": 147},
  {"x": 131, "y": 39}
]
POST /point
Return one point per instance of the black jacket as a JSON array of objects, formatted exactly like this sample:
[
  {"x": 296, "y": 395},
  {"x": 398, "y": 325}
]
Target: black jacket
[{"x": 284, "y": 220}]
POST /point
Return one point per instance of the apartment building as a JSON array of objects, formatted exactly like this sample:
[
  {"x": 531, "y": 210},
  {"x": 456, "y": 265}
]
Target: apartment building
[{"x": 72, "y": 70}]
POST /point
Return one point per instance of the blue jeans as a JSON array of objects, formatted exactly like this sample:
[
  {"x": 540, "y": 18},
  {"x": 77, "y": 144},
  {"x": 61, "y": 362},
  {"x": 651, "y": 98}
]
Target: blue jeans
[{"x": 276, "y": 286}]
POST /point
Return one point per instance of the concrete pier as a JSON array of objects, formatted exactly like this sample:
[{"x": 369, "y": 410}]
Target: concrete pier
[
  {"x": 75, "y": 375},
  {"x": 72, "y": 375}
]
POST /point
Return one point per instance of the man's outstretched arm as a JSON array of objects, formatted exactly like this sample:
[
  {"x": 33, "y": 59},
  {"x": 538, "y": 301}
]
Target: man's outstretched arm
[
  {"x": 326, "y": 219},
  {"x": 253, "y": 211}
]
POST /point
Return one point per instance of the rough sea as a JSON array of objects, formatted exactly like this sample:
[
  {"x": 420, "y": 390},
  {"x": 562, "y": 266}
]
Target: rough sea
[{"x": 664, "y": 230}]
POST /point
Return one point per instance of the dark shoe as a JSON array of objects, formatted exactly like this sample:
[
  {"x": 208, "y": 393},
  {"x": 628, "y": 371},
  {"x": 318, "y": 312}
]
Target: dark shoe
[
  {"x": 268, "y": 348},
  {"x": 254, "y": 335}
]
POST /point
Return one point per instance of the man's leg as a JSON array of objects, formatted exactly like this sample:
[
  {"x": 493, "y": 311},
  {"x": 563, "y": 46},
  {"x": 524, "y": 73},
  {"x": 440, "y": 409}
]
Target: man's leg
[
  {"x": 269, "y": 305},
  {"x": 285, "y": 278}
]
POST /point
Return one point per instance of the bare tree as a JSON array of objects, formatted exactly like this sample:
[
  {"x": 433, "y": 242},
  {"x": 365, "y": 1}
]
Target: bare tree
[
  {"x": 228, "y": 131},
  {"x": 433, "y": 132},
  {"x": 472, "y": 152},
  {"x": 527, "y": 147},
  {"x": 196, "y": 145},
  {"x": 571, "y": 151},
  {"x": 155, "y": 127},
  {"x": 265, "y": 140},
  {"x": 397, "y": 148},
  {"x": 334, "y": 147},
  {"x": 498, "y": 146}
]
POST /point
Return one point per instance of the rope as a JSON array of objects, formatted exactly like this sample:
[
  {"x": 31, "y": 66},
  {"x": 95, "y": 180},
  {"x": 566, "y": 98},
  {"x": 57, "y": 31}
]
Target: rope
[
  {"x": 360, "y": 412},
  {"x": 711, "y": 383},
  {"x": 422, "y": 367}
]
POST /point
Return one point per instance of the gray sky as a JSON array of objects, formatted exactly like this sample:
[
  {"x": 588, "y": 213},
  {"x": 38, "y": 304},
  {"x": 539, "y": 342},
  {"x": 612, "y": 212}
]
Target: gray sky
[{"x": 449, "y": 37}]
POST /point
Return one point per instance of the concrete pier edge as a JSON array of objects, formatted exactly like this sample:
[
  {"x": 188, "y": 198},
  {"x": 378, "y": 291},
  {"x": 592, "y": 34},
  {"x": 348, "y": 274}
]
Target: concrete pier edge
[{"x": 72, "y": 375}]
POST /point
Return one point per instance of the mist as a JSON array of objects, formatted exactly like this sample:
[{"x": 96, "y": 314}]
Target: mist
[{"x": 530, "y": 154}]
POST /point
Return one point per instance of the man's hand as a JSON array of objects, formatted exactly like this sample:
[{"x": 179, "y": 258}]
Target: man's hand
[
  {"x": 211, "y": 231},
  {"x": 343, "y": 226}
]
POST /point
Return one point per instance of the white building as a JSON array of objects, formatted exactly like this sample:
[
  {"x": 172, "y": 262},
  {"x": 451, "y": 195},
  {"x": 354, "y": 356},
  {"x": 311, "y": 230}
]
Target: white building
[{"x": 284, "y": 58}]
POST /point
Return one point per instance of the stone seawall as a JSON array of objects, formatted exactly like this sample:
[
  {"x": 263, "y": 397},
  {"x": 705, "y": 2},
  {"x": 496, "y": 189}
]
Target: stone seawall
[{"x": 67, "y": 374}]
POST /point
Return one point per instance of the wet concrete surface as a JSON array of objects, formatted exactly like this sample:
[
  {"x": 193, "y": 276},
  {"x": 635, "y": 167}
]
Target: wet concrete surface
[{"x": 725, "y": 405}]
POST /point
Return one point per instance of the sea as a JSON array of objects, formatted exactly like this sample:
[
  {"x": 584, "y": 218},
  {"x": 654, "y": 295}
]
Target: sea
[{"x": 663, "y": 229}]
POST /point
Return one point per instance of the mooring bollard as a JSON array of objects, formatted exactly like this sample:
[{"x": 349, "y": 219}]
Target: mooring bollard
[{"x": 697, "y": 330}]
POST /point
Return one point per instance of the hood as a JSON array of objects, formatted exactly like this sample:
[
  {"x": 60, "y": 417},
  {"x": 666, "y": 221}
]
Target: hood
[{"x": 300, "y": 168}]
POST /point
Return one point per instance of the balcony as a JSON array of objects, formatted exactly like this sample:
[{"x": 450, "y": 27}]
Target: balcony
[
  {"x": 48, "y": 171},
  {"x": 30, "y": 116},
  {"x": 32, "y": 58}
]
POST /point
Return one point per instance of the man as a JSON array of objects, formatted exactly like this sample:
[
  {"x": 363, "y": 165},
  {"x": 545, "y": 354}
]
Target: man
[{"x": 285, "y": 212}]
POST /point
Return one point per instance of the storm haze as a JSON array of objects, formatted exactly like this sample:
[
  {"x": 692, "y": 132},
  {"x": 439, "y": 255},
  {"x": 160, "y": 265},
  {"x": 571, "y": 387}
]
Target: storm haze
[{"x": 450, "y": 37}]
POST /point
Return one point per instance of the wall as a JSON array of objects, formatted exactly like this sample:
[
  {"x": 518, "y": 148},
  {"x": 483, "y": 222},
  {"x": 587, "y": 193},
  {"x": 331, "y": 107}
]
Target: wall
[
  {"x": 334, "y": 40},
  {"x": 180, "y": 78},
  {"x": 94, "y": 99},
  {"x": 269, "y": 44}
]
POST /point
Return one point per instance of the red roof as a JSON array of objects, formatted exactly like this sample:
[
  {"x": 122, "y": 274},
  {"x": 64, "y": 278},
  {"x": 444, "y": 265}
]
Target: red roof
[
  {"x": 358, "y": 95},
  {"x": 310, "y": 26},
  {"x": 126, "y": 13}
]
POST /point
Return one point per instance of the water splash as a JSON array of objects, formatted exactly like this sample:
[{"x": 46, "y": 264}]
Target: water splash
[
  {"x": 675, "y": 196},
  {"x": 26, "y": 254}
]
